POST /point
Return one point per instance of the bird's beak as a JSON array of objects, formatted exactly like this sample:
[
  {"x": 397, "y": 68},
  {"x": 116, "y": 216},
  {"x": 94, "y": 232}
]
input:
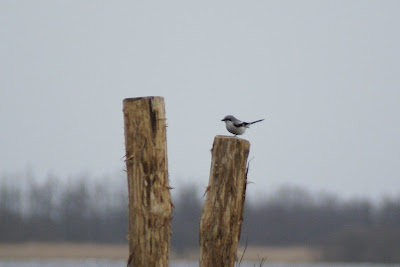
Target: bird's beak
[{"x": 223, "y": 120}]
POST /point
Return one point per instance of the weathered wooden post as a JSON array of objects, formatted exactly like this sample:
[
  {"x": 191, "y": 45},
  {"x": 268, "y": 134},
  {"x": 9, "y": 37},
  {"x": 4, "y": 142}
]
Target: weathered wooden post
[
  {"x": 222, "y": 215},
  {"x": 150, "y": 204}
]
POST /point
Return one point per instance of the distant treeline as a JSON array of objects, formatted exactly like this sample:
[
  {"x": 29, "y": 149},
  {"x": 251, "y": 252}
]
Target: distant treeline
[{"x": 88, "y": 210}]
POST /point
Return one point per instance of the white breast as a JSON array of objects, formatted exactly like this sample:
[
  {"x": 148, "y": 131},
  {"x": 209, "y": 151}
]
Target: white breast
[{"x": 233, "y": 129}]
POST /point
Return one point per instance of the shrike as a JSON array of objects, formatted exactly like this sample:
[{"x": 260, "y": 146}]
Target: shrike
[{"x": 235, "y": 126}]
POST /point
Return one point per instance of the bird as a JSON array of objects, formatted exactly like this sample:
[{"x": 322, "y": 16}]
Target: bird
[{"x": 235, "y": 126}]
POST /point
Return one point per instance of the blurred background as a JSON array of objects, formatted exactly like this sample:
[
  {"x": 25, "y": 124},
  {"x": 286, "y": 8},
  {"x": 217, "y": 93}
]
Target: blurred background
[{"x": 324, "y": 165}]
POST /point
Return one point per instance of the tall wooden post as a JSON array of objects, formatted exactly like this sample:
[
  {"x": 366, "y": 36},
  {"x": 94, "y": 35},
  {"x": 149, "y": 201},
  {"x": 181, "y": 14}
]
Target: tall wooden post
[
  {"x": 150, "y": 204},
  {"x": 222, "y": 214}
]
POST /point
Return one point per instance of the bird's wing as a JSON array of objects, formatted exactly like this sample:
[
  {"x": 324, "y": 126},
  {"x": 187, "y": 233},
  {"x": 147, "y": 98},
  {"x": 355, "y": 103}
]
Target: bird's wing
[{"x": 239, "y": 123}]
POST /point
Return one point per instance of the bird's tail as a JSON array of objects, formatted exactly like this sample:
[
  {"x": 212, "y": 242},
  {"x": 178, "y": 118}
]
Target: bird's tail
[{"x": 255, "y": 121}]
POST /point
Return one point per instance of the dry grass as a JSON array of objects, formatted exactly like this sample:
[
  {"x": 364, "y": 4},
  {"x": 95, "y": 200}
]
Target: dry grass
[
  {"x": 120, "y": 252},
  {"x": 281, "y": 254},
  {"x": 63, "y": 251},
  {"x": 270, "y": 254}
]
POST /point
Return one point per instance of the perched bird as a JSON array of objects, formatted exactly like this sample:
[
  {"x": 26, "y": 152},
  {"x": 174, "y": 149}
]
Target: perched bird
[{"x": 235, "y": 126}]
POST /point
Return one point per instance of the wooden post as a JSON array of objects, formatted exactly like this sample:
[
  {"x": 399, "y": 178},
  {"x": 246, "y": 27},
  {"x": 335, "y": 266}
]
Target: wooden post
[
  {"x": 222, "y": 215},
  {"x": 150, "y": 204}
]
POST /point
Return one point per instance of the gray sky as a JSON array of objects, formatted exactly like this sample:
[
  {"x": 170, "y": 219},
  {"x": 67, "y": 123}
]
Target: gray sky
[{"x": 325, "y": 75}]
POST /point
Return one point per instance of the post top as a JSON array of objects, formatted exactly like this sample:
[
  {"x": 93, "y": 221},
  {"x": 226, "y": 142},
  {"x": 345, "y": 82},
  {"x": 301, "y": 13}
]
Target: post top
[
  {"x": 227, "y": 138},
  {"x": 142, "y": 97}
]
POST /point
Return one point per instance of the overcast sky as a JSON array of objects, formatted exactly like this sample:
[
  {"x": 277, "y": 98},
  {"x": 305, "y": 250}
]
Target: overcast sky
[{"x": 325, "y": 75}]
